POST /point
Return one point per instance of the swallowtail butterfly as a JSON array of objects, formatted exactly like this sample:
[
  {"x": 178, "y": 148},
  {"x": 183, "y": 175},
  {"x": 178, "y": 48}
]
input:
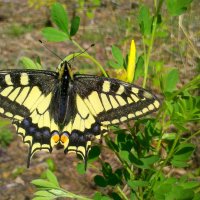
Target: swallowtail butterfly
[{"x": 59, "y": 108}]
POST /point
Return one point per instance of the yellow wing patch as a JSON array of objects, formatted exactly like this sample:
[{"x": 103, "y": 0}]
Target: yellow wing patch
[
  {"x": 95, "y": 102},
  {"x": 24, "y": 79},
  {"x": 7, "y": 91},
  {"x": 8, "y": 79}
]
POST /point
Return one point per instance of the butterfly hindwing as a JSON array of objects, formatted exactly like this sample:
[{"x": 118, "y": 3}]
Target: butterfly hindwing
[{"x": 82, "y": 129}]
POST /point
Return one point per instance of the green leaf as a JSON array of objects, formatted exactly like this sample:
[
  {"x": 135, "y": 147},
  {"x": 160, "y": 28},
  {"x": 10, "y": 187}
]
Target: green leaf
[
  {"x": 125, "y": 156},
  {"x": 94, "y": 153},
  {"x": 134, "y": 160},
  {"x": 171, "y": 79},
  {"x": 145, "y": 21},
  {"x": 169, "y": 136},
  {"x": 74, "y": 25},
  {"x": 179, "y": 163},
  {"x": 126, "y": 174},
  {"x": 190, "y": 185},
  {"x": 42, "y": 198},
  {"x": 178, "y": 7},
  {"x": 44, "y": 193},
  {"x": 51, "y": 164},
  {"x": 4, "y": 122},
  {"x": 196, "y": 196},
  {"x": 52, "y": 178},
  {"x": 113, "y": 180},
  {"x": 117, "y": 54},
  {"x": 6, "y": 137},
  {"x": 115, "y": 65},
  {"x": 178, "y": 193},
  {"x": 115, "y": 196},
  {"x": 90, "y": 13},
  {"x": 96, "y": 2},
  {"x": 138, "y": 183},
  {"x": 54, "y": 35},
  {"x": 106, "y": 169},
  {"x": 111, "y": 144},
  {"x": 60, "y": 17},
  {"x": 139, "y": 71},
  {"x": 80, "y": 168},
  {"x": 121, "y": 137},
  {"x": 30, "y": 64},
  {"x": 149, "y": 161},
  {"x": 99, "y": 196},
  {"x": 43, "y": 183},
  {"x": 162, "y": 190},
  {"x": 60, "y": 193},
  {"x": 184, "y": 151},
  {"x": 100, "y": 181}
]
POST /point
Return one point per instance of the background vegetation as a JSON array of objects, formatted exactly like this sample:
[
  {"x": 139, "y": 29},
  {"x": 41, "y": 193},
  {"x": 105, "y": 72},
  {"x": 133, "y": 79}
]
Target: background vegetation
[{"x": 156, "y": 157}]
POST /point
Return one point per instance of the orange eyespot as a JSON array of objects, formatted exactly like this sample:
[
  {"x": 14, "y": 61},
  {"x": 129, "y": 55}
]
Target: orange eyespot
[
  {"x": 55, "y": 138},
  {"x": 64, "y": 138}
]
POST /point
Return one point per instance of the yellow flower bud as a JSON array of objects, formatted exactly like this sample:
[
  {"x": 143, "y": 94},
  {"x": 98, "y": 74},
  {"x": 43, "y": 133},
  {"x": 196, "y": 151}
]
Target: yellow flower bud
[{"x": 131, "y": 63}]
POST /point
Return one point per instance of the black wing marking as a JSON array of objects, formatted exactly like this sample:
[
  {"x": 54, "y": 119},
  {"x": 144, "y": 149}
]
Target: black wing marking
[{"x": 25, "y": 97}]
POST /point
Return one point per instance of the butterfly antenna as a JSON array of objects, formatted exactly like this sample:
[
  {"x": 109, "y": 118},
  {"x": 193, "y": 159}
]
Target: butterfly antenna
[
  {"x": 50, "y": 50},
  {"x": 82, "y": 52}
]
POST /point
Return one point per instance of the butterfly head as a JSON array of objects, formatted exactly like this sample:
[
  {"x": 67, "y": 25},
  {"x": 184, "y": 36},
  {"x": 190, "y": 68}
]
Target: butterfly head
[{"x": 64, "y": 70}]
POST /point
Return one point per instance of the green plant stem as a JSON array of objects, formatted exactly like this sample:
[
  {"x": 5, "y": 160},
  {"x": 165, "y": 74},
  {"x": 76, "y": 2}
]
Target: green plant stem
[
  {"x": 158, "y": 6},
  {"x": 165, "y": 162},
  {"x": 147, "y": 53},
  {"x": 193, "y": 135},
  {"x": 188, "y": 37},
  {"x": 141, "y": 193},
  {"x": 121, "y": 193},
  {"x": 163, "y": 124},
  {"x": 147, "y": 57},
  {"x": 125, "y": 165},
  {"x": 171, "y": 151},
  {"x": 77, "y": 45},
  {"x": 86, "y": 54},
  {"x": 123, "y": 162}
]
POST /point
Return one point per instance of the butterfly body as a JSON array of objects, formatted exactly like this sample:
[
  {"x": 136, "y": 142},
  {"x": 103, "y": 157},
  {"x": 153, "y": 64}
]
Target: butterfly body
[
  {"x": 59, "y": 108},
  {"x": 63, "y": 97}
]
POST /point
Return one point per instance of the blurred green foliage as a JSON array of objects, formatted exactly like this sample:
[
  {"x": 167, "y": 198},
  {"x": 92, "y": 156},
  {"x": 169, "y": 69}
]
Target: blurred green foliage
[
  {"x": 6, "y": 136},
  {"x": 16, "y": 30},
  {"x": 40, "y": 3}
]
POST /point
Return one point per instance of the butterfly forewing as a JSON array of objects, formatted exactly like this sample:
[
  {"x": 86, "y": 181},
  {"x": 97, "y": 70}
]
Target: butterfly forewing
[{"x": 112, "y": 101}]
